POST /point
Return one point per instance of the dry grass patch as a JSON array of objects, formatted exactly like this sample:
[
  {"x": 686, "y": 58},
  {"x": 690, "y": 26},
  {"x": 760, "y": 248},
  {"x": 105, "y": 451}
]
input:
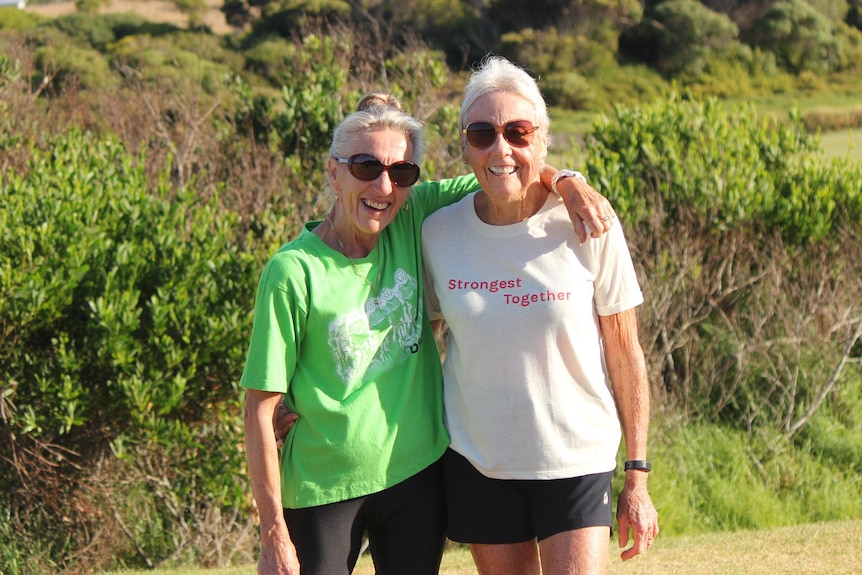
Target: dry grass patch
[
  {"x": 159, "y": 11},
  {"x": 811, "y": 549}
]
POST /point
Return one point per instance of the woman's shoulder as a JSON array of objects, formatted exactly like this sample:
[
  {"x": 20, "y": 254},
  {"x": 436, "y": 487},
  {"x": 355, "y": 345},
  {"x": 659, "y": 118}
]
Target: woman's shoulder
[{"x": 294, "y": 258}]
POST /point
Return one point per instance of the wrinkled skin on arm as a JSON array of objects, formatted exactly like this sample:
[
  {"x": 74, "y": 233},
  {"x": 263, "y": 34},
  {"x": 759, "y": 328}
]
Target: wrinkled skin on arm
[
  {"x": 636, "y": 513},
  {"x": 277, "y": 553}
]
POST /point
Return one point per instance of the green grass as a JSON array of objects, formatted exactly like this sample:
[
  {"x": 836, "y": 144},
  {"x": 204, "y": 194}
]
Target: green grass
[
  {"x": 810, "y": 549},
  {"x": 842, "y": 143}
]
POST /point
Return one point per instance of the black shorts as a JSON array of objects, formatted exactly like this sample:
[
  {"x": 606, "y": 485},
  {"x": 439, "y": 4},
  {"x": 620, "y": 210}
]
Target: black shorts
[
  {"x": 405, "y": 527},
  {"x": 494, "y": 511}
]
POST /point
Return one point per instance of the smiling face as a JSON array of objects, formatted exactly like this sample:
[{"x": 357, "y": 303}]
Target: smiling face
[
  {"x": 366, "y": 208},
  {"x": 505, "y": 172}
]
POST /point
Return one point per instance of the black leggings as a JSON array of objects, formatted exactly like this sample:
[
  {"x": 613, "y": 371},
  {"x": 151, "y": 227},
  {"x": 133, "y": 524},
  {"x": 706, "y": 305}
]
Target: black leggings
[{"x": 405, "y": 525}]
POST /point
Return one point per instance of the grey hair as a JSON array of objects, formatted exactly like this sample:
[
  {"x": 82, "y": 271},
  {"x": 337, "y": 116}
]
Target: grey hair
[
  {"x": 497, "y": 74},
  {"x": 377, "y": 111}
]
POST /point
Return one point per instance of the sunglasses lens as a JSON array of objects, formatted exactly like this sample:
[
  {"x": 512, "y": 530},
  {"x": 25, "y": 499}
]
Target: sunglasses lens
[
  {"x": 519, "y": 133},
  {"x": 368, "y": 168},
  {"x": 404, "y": 174},
  {"x": 365, "y": 168},
  {"x": 481, "y": 134}
]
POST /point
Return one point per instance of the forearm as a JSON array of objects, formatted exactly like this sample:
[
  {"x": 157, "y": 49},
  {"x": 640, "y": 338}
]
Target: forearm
[
  {"x": 263, "y": 467},
  {"x": 627, "y": 371}
]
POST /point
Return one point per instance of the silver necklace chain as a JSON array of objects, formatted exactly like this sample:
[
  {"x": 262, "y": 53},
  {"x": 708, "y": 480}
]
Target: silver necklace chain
[{"x": 355, "y": 267}]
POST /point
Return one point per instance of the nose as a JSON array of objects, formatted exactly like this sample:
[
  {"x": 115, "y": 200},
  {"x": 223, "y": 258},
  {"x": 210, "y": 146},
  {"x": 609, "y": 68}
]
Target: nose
[
  {"x": 501, "y": 142},
  {"x": 383, "y": 182}
]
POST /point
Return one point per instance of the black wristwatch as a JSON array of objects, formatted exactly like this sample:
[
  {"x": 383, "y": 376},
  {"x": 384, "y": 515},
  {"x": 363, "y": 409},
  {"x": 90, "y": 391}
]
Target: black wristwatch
[{"x": 638, "y": 464}]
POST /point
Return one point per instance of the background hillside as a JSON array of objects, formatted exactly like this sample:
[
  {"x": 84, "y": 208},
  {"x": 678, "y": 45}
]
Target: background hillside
[{"x": 149, "y": 166}]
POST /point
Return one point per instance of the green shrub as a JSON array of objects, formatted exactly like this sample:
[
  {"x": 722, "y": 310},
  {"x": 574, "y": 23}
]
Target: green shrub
[
  {"x": 176, "y": 59},
  {"x": 18, "y": 20},
  {"x": 287, "y": 17},
  {"x": 548, "y": 51},
  {"x": 628, "y": 86},
  {"x": 728, "y": 168},
  {"x": 71, "y": 67},
  {"x": 747, "y": 244},
  {"x": 271, "y": 58},
  {"x": 124, "y": 320},
  {"x": 568, "y": 90}
]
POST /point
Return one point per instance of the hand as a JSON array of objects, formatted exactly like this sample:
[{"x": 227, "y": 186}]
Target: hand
[
  {"x": 635, "y": 510},
  {"x": 282, "y": 423},
  {"x": 278, "y": 558},
  {"x": 591, "y": 213}
]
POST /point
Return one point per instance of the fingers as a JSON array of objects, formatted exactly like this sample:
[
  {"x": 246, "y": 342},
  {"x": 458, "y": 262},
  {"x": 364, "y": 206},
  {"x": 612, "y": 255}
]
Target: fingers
[
  {"x": 636, "y": 512},
  {"x": 582, "y": 230},
  {"x": 606, "y": 218},
  {"x": 598, "y": 216},
  {"x": 591, "y": 213},
  {"x": 623, "y": 535},
  {"x": 282, "y": 423},
  {"x": 642, "y": 543}
]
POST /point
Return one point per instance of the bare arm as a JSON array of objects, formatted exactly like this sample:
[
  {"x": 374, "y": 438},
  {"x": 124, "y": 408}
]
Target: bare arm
[
  {"x": 627, "y": 370},
  {"x": 585, "y": 205},
  {"x": 277, "y": 554}
]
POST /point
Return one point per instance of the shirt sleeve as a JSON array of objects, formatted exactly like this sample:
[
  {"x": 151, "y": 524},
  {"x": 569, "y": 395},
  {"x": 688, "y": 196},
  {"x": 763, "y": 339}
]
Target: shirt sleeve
[
  {"x": 279, "y": 319},
  {"x": 616, "y": 283},
  {"x": 430, "y": 196}
]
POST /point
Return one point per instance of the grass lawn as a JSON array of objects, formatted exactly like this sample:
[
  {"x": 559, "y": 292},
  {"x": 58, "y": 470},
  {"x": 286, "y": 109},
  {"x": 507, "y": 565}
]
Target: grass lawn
[
  {"x": 811, "y": 549},
  {"x": 841, "y": 143}
]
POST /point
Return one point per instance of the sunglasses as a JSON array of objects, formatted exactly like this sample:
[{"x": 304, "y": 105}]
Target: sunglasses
[
  {"x": 482, "y": 135},
  {"x": 368, "y": 168}
]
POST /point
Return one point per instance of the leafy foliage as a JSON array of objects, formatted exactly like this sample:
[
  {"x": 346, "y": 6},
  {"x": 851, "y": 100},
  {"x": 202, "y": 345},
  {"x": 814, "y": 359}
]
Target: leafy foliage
[
  {"x": 680, "y": 37},
  {"x": 123, "y": 319},
  {"x": 678, "y": 160},
  {"x": 749, "y": 247},
  {"x": 799, "y": 36}
]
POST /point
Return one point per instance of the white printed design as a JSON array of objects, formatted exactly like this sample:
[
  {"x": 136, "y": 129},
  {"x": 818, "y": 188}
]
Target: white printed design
[{"x": 366, "y": 342}]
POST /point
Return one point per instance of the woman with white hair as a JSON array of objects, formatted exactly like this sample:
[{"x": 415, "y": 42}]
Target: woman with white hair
[{"x": 543, "y": 363}]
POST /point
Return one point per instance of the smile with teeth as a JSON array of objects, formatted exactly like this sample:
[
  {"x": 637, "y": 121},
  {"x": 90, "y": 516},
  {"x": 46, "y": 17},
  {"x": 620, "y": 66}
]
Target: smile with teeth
[
  {"x": 502, "y": 170},
  {"x": 375, "y": 205}
]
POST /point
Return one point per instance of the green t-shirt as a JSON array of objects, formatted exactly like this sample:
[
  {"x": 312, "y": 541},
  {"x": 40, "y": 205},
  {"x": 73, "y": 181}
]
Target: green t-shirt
[{"x": 364, "y": 376}]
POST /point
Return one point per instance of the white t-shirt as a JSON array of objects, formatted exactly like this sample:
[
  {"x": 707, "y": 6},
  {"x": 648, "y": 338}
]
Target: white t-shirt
[{"x": 526, "y": 394}]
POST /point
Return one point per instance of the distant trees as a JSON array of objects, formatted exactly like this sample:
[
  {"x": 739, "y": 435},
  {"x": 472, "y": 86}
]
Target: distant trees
[
  {"x": 800, "y": 37},
  {"x": 679, "y": 37}
]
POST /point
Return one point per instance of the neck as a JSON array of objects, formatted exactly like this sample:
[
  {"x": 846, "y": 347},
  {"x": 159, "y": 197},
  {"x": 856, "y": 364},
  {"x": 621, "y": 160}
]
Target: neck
[
  {"x": 343, "y": 240},
  {"x": 501, "y": 212}
]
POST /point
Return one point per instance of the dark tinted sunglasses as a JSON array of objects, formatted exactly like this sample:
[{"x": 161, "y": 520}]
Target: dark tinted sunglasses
[
  {"x": 481, "y": 135},
  {"x": 368, "y": 168}
]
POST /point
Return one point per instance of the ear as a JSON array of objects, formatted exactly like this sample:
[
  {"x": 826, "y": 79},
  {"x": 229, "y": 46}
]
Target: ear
[{"x": 332, "y": 172}]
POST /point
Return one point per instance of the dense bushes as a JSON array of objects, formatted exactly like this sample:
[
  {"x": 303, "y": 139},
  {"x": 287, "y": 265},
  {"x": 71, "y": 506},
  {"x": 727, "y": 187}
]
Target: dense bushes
[
  {"x": 749, "y": 247},
  {"x": 123, "y": 323},
  {"x": 730, "y": 170}
]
